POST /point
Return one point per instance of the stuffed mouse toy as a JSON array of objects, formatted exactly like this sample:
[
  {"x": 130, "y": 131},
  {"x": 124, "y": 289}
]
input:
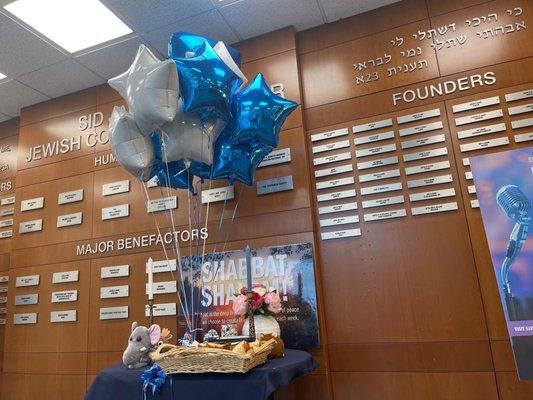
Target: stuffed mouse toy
[{"x": 141, "y": 343}]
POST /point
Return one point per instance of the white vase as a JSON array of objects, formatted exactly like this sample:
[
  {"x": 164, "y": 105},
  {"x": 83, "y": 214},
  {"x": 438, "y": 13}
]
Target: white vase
[{"x": 263, "y": 324}]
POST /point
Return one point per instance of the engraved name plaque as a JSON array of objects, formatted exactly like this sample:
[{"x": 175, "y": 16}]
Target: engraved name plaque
[
  {"x": 468, "y": 175},
  {"x": 161, "y": 310},
  {"x": 6, "y": 222},
  {"x": 70, "y": 197},
  {"x": 7, "y": 212},
  {"x": 30, "y": 280},
  {"x": 162, "y": 204},
  {"x": 375, "y": 150},
  {"x": 427, "y": 167},
  {"x": 434, "y": 194},
  {"x": 418, "y": 116},
  {"x": 66, "y": 276},
  {"x": 275, "y": 185},
  {"x": 425, "y": 154},
  {"x": 474, "y": 203},
  {"x": 114, "y": 312},
  {"x": 335, "y": 182},
  {"x": 218, "y": 194},
  {"x": 483, "y": 130},
  {"x": 110, "y": 292},
  {"x": 114, "y": 271},
  {"x": 336, "y": 195},
  {"x": 65, "y": 296},
  {"x": 393, "y": 173},
  {"x": 524, "y": 137},
  {"x": 381, "y": 188},
  {"x": 26, "y": 299},
  {"x": 424, "y": 141},
  {"x": 109, "y": 189},
  {"x": 372, "y": 125},
  {"x": 479, "y": 117},
  {"x": 328, "y": 135},
  {"x": 522, "y": 123},
  {"x": 377, "y": 163},
  {"x": 385, "y": 201},
  {"x": 63, "y": 316},
  {"x": 484, "y": 144},
  {"x": 6, "y": 234},
  {"x": 471, "y": 189},
  {"x": 32, "y": 204},
  {"x": 333, "y": 171},
  {"x": 434, "y": 180},
  {"x": 26, "y": 318},
  {"x": 523, "y": 94},
  {"x": 31, "y": 226},
  {"x": 7, "y": 201},
  {"x": 331, "y": 146},
  {"x": 163, "y": 287},
  {"x": 337, "y": 208},
  {"x": 472, "y": 105},
  {"x": 434, "y": 208},
  {"x": 340, "y": 234},
  {"x": 520, "y": 109},
  {"x": 378, "y": 216},
  {"x": 352, "y": 219},
  {"x": 421, "y": 128},
  {"x": 69, "y": 219},
  {"x": 119, "y": 211},
  {"x": 280, "y": 156},
  {"x": 332, "y": 158},
  {"x": 163, "y": 266},
  {"x": 373, "y": 138}
]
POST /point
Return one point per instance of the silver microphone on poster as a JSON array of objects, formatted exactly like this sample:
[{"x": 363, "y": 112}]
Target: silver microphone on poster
[{"x": 516, "y": 206}]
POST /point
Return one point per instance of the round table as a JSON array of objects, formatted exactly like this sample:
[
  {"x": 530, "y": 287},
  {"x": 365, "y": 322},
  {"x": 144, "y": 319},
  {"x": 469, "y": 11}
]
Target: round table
[{"x": 119, "y": 383}]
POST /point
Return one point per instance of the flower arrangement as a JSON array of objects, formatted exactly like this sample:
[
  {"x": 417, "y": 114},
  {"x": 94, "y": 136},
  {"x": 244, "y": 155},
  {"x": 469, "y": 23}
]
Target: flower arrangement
[{"x": 264, "y": 302}]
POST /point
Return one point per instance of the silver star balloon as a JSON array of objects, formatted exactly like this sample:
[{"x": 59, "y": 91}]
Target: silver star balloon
[
  {"x": 133, "y": 150},
  {"x": 151, "y": 88}
]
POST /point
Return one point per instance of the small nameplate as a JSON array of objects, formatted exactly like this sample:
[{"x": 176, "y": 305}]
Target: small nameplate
[
  {"x": 466, "y": 161},
  {"x": 375, "y": 150},
  {"x": 6, "y": 212},
  {"x": 328, "y": 135},
  {"x": 163, "y": 266},
  {"x": 32, "y": 204},
  {"x": 336, "y": 195},
  {"x": 386, "y": 201},
  {"x": 353, "y": 219},
  {"x": 7, "y": 201},
  {"x": 70, "y": 197},
  {"x": 26, "y": 318},
  {"x": 434, "y": 194},
  {"x": 153, "y": 182},
  {"x": 3, "y": 310},
  {"x": 474, "y": 203},
  {"x": 478, "y": 117},
  {"x": 69, "y": 219},
  {"x": 65, "y": 296},
  {"x": 421, "y": 128},
  {"x": 333, "y": 171},
  {"x": 483, "y": 130},
  {"x": 393, "y": 173},
  {"x": 524, "y": 94},
  {"x": 30, "y": 280},
  {"x": 340, "y": 234},
  {"x": 4, "y": 279},
  {"x": 484, "y": 144},
  {"x": 337, "y": 208},
  {"x": 472, "y": 105},
  {"x": 31, "y": 226},
  {"x": 381, "y": 188},
  {"x": 380, "y": 162},
  {"x": 162, "y": 204},
  {"x": 6, "y": 234},
  {"x": 524, "y": 137},
  {"x": 522, "y": 123},
  {"x": 332, "y": 158},
  {"x": 3, "y": 289},
  {"x": 418, "y": 116},
  {"x": 275, "y": 185},
  {"x": 425, "y": 154},
  {"x": 161, "y": 310},
  {"x": 335, "y": 182},
  {"x": 385, "y": 215},
  {"x": 5, "y": 223},
  {"x": 280, "y": 156},
  {"x": 2, "y": 321},
  {"x": 520, "y": 109},
  {"x": 471, "y": 189},
  {"x": 3, "y": 300},
  {"x": 163, "y": 287},
  {"x": 114, "y": 271},
  {"x": 66, "y": 276},
  {"x": 114, "y": 312},
  {"x": 109, "y": 189},
  {"x": 26, "y": 299},
  {"x": 373, "y": 138},
  {"x": 218, "y": 194},
  {"x": 424, "y": 141},
  {"x": 434, "y": 208},
  {"x": 468, "y": 175},
  {"x": 109, "y": 292},
  {"x": 63, "y": 316},
  {"x": 331, "y": 146},
  {"x": 427, "y": 167},
  {"x": 372, "y": 125},
  {"x": 122, "y": 210},
  {"x": 434, "y": 180}
]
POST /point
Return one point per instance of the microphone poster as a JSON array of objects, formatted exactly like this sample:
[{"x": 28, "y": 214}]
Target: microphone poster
[
  {"x": 287, "y": 269},
  {"x": 504, "y": 187}
]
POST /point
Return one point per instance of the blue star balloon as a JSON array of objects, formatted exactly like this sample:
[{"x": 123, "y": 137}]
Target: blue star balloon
[
  {"x": 183, "y": 44},
  {"x": 237, "y": 162},
  {"x": 259, "y": 113},
  {"x": 207, "y": 83}
]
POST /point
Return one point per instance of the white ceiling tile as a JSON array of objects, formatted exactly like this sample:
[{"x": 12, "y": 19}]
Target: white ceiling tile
[
  {"x": 254, "y": 17},
  {"x": 148, "y": 15},
  {"x": 112, "y": 60},
  {"x": 21, "y": 51},
  {"x": 210, "y": 24},
  {"x": 14, "y": 95},
  {"x": 338, "y": 9},
  {"x": 4, "y": 118},
  {"x": 58, "y": 79}
]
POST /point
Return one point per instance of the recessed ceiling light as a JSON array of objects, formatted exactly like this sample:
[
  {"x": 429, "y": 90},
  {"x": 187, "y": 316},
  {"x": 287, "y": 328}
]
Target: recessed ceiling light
[{"x": 72, "y": 24}]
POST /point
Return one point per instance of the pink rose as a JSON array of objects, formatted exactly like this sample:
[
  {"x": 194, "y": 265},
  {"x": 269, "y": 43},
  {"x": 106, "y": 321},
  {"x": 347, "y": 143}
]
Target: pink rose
[
  {"x": 274, "y": 302},
  {"x": 260, "y": 289},
  {"x": 240, "y": 305}
]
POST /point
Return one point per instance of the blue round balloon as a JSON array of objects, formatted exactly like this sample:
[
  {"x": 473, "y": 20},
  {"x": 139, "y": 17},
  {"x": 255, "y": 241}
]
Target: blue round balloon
[{"x": 182, "y": 44}]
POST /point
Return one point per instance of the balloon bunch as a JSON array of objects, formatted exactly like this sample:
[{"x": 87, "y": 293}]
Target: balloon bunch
[{"x": 194, "y": 115}]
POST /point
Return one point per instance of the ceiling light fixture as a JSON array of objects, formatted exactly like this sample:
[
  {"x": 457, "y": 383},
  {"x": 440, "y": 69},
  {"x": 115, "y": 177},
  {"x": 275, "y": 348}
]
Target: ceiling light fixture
[{"x": 73, "y": 25}]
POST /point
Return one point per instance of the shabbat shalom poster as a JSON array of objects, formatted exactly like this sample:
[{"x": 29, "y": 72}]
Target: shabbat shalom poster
[
  {"x": 504, "y": 187},
  {"x": 288, "y": 269}
]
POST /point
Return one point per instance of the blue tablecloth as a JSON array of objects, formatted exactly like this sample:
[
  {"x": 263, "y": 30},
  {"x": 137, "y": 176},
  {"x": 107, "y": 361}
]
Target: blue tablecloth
[{"x": 119, "y": 383}]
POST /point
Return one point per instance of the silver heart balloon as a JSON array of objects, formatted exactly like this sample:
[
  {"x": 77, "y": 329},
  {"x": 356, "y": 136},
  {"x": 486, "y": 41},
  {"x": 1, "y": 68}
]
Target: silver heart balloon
[
  {"x": 187, "y": 138},
  {"x": 151, "y": 88},
  {"x": 132, "y": 149}
]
